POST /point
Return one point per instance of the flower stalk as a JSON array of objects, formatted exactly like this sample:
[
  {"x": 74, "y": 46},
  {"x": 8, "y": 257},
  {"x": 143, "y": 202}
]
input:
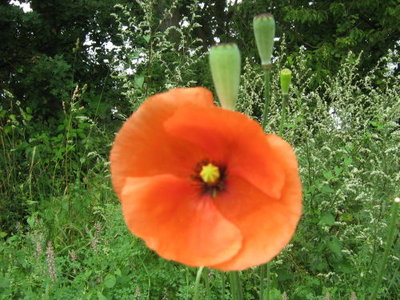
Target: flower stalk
[
  {"x": 264, "y": 273},
  {"x": 285, "y": 99},
  {"x": 267, "y": 95},
  {"x": 197, "y": 283},
  {"x": 285, "y": 80},
  {"x": 236, "y": 285}
]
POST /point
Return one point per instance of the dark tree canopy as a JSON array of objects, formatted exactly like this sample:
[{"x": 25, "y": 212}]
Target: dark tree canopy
[
  {"x": 43, "y": 54},
  {"x": 328, "y": 29},
  {"x": 46, "y": 48}
]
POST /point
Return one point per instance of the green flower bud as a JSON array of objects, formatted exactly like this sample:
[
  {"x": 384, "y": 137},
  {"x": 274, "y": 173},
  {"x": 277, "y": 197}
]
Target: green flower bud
[
  {"x": 286, "y": 78},
  {"x": 264, "y": 32},
  {"x": 225, "y": 71}
]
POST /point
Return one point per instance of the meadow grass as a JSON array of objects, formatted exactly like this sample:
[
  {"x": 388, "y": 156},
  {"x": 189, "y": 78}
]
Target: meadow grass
[{"x": 71, "y": 242}]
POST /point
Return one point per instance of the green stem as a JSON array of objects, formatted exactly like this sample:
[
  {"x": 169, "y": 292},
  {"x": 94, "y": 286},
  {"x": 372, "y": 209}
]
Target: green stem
[
  {"x": 236, "y": 287},
  {"x": 310, "y": 177},
  {"x": 223, "y": 284},
  {"x": 197, "y": 283},
  {"x": 30, "y": 173},
  {"x": 264, "y": 270},
  {"x": 283, "y": 113},
  {"x": 268, "y": 280},
  {"x": 207, "y": 283},
  {"x": 262, "y": 285},
  {"x": 267, "y": 94},
  {"x": 389, "y": 242}
]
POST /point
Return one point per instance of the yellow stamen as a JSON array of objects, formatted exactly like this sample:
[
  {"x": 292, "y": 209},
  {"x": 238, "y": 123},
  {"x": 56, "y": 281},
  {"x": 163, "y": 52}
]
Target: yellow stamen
[{"x": 209, "y": 173}]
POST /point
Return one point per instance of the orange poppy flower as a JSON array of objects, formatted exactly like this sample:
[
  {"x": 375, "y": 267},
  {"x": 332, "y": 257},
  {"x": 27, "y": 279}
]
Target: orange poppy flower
[{"x": 205, "y": 186}]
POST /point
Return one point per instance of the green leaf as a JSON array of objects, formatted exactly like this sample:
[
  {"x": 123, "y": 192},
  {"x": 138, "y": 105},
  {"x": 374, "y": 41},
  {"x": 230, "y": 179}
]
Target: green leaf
[
  {"x": 327, "y": 219},
  {"x": 118, "y": 272},
  {"x": 274, "y": 294},
  {"x": 110, "y": 281},
  {"x": 334, "y": 246},
  {"x": 338, "y": 170},
  {"x": 377, "y": 125},
  {"x": 328, "y": 175},
  {"x": 326, "y": 189},
  {"x": 4, "y": 283},
  {"x": 87, "y": 274},
  {"x": 31, "y": 221},
  {"x": 139, "y": 80},
  {"x": 348, "y": 161},
  {"x": 346, "y": 217},
  {"x": 100, "y": 296}
]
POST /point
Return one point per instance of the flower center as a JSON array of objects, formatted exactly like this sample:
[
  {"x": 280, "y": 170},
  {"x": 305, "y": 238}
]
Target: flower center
[
  {"x": 209, "y": 173},
  {"x": 210, "y": 177}
]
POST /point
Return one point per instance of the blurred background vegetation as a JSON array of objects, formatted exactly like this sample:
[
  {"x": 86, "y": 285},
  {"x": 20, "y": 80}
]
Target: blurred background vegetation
[
  {"x": 46, "y": 52},
  {"x": 72, "y": 71}
]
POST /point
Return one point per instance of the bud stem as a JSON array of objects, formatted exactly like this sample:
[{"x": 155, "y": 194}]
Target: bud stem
[
  {"x": 236, "y": 285},
  {"x": 267, "y": 94},
  {"x": 197, "y": 283},
  {"x": 265, "y": 276},
  {"x": 283, "y": 113}
]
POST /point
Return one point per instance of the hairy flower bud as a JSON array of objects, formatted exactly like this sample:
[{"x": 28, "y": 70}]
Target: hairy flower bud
[
  {"x": 225, "y": 70},
  {"x": 285, "y": 78},
  {"x": 264, "y": 32}
]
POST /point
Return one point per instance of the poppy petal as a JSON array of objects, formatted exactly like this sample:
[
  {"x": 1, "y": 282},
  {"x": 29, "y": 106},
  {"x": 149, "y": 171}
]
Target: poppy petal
[
  {"x": 292, "y": 195},
  {"x": 266, "y": 224},
  {"x": 143, "y": 148},
  {"x": 177, "y": 222},
  {"x": 233, "y": 139}
]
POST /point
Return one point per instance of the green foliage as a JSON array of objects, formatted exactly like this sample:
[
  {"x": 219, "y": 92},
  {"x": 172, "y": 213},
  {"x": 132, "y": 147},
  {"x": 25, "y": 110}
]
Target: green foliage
[
  {"x": 350, "y": 171},
  {"x": 328, "y": 30},
  {"x": 46, "y": 52},
  {"x": 37, "y": 164},
  {"x": 62, "y": 235},
  {"x": 159, "y": 56},
  {"x": 106, "y": 262}
]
